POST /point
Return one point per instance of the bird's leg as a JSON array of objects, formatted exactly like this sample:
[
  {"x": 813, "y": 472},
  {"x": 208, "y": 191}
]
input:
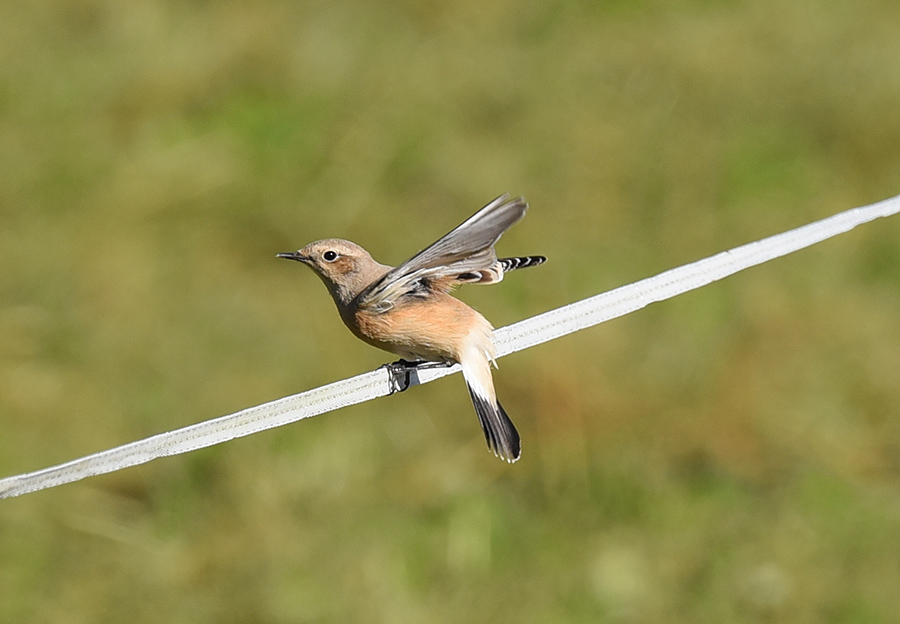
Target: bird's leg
[
  {"x": 399, "y": 375},
  {"x": 402, "y": 373}
]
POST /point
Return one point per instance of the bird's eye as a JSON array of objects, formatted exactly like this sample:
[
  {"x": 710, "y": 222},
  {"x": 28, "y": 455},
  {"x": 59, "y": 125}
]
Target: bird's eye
[{"x": 330, "y": 256}]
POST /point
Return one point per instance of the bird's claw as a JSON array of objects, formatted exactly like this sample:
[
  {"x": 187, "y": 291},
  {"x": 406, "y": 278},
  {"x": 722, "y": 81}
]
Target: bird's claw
[{"x": 402, "y": 374}]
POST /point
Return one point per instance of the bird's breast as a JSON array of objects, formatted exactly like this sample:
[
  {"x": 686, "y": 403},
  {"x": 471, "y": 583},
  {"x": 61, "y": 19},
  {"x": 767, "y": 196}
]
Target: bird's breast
[{"x": 433, "y": 328}]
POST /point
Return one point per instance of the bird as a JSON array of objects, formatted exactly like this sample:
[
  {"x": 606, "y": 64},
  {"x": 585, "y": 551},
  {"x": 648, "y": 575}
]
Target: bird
[{"x": 408, "y": 310}]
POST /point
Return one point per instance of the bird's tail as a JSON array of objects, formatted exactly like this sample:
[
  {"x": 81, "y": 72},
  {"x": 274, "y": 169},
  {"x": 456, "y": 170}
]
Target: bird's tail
[
  {"x": 499, "y": 431},
  {"x": 521, "y": 262}
]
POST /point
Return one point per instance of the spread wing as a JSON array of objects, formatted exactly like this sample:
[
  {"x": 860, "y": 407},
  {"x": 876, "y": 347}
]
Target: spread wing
[{"x": 465, "y": 255}]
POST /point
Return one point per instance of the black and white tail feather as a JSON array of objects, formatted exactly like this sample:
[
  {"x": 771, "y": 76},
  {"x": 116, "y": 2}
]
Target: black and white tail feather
[
  {"x": 499, "y": 431},
  {"x": 522, "y": 262}
]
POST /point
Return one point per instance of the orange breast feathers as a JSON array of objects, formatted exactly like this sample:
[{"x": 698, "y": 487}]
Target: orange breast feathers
[{"x": 433, "y": 328}]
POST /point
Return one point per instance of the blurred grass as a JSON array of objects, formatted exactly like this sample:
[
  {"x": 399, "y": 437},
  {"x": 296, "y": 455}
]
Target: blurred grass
[{"x": 729, "y": 456}]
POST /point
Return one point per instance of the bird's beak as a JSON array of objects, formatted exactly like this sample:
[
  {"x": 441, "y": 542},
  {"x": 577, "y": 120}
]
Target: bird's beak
[{"x": 293, "y": 255}]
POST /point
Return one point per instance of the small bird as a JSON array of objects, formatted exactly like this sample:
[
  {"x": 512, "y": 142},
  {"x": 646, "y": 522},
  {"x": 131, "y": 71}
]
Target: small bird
[{"x": 407, "y": 310}]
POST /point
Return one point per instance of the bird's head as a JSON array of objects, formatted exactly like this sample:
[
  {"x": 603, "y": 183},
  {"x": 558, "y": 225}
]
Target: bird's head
[{"x": 345, "y": 267}]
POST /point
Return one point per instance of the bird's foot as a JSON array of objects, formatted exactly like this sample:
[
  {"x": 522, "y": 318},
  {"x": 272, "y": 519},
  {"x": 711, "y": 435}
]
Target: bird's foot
[
  {"x": 399, "y": 375},
  {"x": 402, "y": 374}
]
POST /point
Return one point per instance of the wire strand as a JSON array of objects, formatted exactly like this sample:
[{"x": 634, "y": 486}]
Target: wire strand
[{"x": 516, "y": 337}]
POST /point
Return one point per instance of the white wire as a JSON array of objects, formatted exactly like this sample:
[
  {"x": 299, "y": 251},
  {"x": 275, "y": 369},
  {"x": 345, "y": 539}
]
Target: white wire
[{"x": 509, "y": 339}]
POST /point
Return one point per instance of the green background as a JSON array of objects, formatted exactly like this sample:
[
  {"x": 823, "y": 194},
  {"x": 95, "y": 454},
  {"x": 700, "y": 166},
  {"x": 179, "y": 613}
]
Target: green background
[{"x": 732, "y": 455}]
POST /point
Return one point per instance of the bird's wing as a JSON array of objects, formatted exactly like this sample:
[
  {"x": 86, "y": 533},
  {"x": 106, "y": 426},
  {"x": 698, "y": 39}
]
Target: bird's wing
[{"x": 466, "y": 254}]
